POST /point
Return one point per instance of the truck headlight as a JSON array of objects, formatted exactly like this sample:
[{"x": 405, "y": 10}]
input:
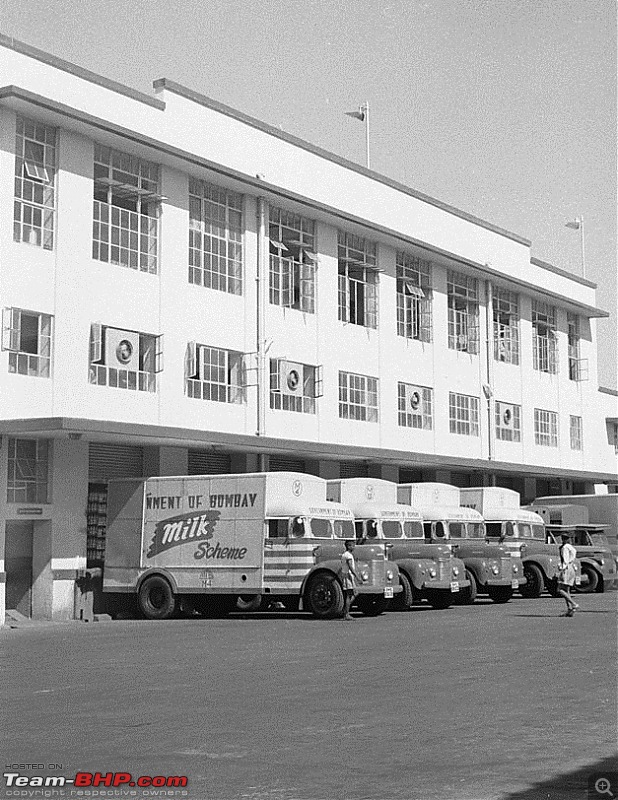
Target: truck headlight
[
  {"x": 602, "y": 562},
  {"x": 432, "y": 573},
  {"x": 455, "y": 571},
  {"x": 495, "y": 569},
  {"x": 365, "y": 575},
  {"x": 389, "y": 575}
]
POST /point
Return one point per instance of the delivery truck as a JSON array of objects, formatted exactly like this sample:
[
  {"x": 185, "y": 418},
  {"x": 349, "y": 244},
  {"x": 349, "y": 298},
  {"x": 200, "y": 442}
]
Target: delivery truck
[
  {"x": 208, "y": 542},
  {"x": 426, "y": 570}
]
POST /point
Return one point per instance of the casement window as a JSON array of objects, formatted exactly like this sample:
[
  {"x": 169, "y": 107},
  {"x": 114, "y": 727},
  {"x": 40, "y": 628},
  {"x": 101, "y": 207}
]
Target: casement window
[
  {"x": 27, "y": 337},
  {"x": 215, "y": 237},
  {"x": 413, "y": 297},
  {"x": 215, "y": 374},
  {"x": 614, "y": 436},
  {"x": 28, "y": 471},
  {"x": 126, "y": 210},
  {"x": 358, "y": 280},
  {"x": 292, "y": 260},
  {"x": 293, "y": 386},
  {"x": 576, "y": 430},
  {"x": 508, "y": 422},
  {"x": 124, "y": 359},
  {"x": 358, "y": 397},
  {"x": 545, "y": 428},
  {"x": 415, "y": 406},
  {"x": 506, "y": 326},
  {"x": 544, "y": 338},
  {"x": 35, "y": 179},
  {"x": 463, "y": 413},
  {"x": 463, "y": 313},
  {"x": 578, "y": 367}
]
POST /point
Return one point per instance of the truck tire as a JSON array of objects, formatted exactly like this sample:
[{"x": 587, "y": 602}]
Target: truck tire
[
  {"x": 439, "y": 598},
  {"x": 372, "y": 605},
  {"x": 324, "y": 596},
  {"x": 590, "y": 580},
  {"x": 534, "y": 584},
  {"x": 500, "y": 594},
  {"x": 156, "y": 598},
  {"x": 405, "y": 599},
  {"x": 468, "y": 596}
]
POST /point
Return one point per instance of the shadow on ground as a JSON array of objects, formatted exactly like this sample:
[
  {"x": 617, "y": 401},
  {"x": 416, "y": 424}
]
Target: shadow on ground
[{"x": 576, "y": 785}]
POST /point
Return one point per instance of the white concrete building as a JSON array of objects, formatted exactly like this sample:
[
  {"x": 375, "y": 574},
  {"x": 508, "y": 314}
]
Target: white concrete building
[{"x": 186, "y": 289}]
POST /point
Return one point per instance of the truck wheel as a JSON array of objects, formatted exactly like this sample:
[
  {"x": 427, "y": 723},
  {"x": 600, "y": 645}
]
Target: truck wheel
[
  {"x": 325, "y": 596},
  {"x": 534, "y": 581},
  {"x": 156, "y": 598},
  {"x": 590, "y": 580},
  {"x": 468, "y": 596},
  {"x": 405, "y": 599},
  {"x": 500, "y": 594},
  {"x": 439, "y": 598},
  {"x": 372, "y": 605},
  {"x": 248, "y": 602}
]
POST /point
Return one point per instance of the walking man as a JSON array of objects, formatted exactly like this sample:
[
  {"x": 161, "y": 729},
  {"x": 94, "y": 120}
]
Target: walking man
[
  {"x": 567, "y": 574},
  {"x": 349, "y": 577}
]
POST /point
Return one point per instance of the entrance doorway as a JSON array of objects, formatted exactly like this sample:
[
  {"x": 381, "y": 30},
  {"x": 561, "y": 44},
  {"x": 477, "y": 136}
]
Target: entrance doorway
[{"x": 18, "y": 565}]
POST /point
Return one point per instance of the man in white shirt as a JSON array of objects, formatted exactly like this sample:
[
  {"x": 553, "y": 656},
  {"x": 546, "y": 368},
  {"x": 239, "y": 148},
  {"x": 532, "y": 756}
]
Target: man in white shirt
[
  {"x": 349, "y": 577},
  {"x": 568, "y": 555}
]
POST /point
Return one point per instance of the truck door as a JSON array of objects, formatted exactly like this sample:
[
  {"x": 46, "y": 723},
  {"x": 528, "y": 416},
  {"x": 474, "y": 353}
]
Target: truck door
[{"x": 288, "y": 555}]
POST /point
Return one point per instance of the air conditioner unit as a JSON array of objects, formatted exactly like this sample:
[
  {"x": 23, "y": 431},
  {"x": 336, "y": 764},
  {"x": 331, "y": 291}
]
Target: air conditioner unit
[
  {"x": 121, "y": 349},
  {"x": 291, "y": 378},
  {"x": 507, "y": 416},
  {"x": 414, "y": 399}
]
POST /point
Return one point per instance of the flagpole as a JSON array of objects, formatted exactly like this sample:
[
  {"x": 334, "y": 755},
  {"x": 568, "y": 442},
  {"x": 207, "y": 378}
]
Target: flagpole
[
  {"x": 581, "y": 230},
  {"x": 366, "y": 108}
]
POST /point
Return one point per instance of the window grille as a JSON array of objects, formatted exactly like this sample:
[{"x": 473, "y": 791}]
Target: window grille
[
  {"x": 545, "y": 428},
  {"x": 292, "y": 260},
  {"x": 126, "y": 210},
  {"x": 508, "y": 422},
  {"x": 576, "y": 431},
  {"x": 545, "y": 353},
  {"x": 506, "y": 326},
  {"x": 358, "y": 397},
  {"x": 463, "y": 414},
  {"x": 27, "y": 336},
  {"x": 463, "y": 313},
  {"x": 215, "y": 374},
  {"x": 414, "y": 297},
  {"x": 28, "y": 474},
  {"x": 35, "y": 178},
  {"x": 358, "y": 281},
  {"x": 415, "y": 406}
]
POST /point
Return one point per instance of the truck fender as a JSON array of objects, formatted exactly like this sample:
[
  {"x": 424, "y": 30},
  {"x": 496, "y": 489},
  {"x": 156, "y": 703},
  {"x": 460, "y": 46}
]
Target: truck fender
[
  {"x": 330, "y": 567},
  {"x": 548, "y": 570},
  {"x": 414, "y": 569},
  {"x": 157, "y": 571}
]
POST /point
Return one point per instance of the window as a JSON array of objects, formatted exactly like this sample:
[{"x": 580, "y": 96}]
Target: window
[
  {"x": 28, "y": 461},
  {"x": 35, "y": 177},
  {"x": 126, "y": 210},
  {"x": 124, "y": 359},
  {"x": 27, "y": 337},
  {"x": 358, "y": 281},
  {"x": 292, "y": 261},
  {"x": 463, "y": 313},
  {"x": 545, "y": 356},
  {"x": 358, "y": 397},
  {"x": 508, "y": 422},
  {"x": 413, "y": 297},
  {"x": 506, "y": 326},
  {"x": 578, "y": 367},
  {"x": 545, "y": 428},
  {"x": 463, "y": 414},
  {"x": 215, "y": 238},
  {"x": 294, "y": 387},
  {"x": 576, "y": 433},
  {"x": 415, "y": 406},
  {"x": 215, "y": 374}
]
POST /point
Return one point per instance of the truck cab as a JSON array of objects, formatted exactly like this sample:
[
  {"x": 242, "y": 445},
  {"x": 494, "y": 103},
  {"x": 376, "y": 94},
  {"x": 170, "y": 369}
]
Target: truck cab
[
  {"x": 496, "y": 572},
  {"x": 598, "y": 564},
  {"x": 426, "y": 570},
  {"x": 523, "y": 533}
]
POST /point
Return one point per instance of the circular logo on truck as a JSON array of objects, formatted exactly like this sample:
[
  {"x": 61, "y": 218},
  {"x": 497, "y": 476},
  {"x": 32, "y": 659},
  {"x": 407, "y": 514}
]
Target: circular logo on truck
[
  {"x": 293, "y": 379},
  {"x": 297, "y": 488}
]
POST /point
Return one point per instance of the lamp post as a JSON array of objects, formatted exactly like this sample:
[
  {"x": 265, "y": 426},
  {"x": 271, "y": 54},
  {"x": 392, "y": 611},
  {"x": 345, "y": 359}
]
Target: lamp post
[{"x": 578, "y": 225}]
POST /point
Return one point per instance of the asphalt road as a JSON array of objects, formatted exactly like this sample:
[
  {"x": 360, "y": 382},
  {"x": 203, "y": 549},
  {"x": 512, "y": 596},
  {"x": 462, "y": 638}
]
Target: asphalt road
[{"x": 473, "y": 703}]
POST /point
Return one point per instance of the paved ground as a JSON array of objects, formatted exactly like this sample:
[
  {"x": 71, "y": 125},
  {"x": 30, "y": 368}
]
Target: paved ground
[{"x": 472, "y": 703}]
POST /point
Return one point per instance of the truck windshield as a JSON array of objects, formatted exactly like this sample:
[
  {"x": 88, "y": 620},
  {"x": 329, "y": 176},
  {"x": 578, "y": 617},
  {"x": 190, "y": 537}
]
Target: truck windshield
[
  {"x": 524, "y": 530},
  {"x": 476, "y": 530},
  {"x": 391, "y": 529},
  {"x": 371, "y": 529},
  {"x": 344, "y": 529},
  {"x": 413, "y": 530},
  {"x": 457, "y": 530},
  {"x": 538, "y": 532},
  {"x": 320, "y": 528},
  {"x": 494, "y": 529}
]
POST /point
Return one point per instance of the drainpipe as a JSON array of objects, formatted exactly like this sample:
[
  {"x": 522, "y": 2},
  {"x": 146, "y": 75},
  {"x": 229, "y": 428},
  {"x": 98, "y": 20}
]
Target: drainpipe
[
  {"x": 261, "y": 288},
  {"x": 489, "y": 386}
]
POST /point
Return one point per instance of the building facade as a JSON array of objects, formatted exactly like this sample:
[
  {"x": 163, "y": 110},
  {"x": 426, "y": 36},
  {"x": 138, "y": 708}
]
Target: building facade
[{"x": 188, "y": 290}]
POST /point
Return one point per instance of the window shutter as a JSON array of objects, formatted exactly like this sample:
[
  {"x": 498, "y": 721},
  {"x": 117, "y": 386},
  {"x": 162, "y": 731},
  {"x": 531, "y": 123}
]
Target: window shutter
[
  {"x": 307, "y": 288},
  {"x": 287, "y": 269},
  {"x": 275, "y": 368},
  {"x": 319, "y": 381},
  {"x": 425, "y": 326},
  {"x": 344, "y": 298},
  {"x": 158, "y": 364},
  {"x": 10, "y": 329},
  {"x": 191, "y": 361},
  {"x": 372, "y": 305}
]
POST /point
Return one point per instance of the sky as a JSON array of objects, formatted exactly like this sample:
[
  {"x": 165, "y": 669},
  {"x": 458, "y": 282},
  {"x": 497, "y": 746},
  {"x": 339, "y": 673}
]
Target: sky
[{"x": 505, "y": 109}]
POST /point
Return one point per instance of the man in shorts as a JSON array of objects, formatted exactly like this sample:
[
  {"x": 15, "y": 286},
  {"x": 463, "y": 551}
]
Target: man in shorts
[
  {"x": 567, "y": 574},
  {"x": 349, "y": 577}
]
